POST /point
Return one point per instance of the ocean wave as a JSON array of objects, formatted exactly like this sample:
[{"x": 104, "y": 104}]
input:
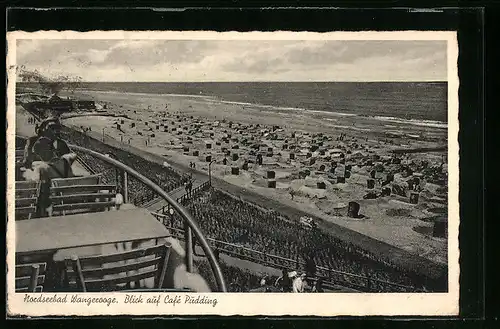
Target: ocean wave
[
  {"x": 283, "y": 108},
  {"x": 416, "y": 122},
  {"x": 343, "y": 114},
  {"x": 351, "y": 128},
  {"x": 279, "y": 108},
  {"x": 146, "y": 94}
]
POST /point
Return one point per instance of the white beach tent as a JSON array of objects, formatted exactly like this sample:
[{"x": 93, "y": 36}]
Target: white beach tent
[{"x": 335, "y": 152}]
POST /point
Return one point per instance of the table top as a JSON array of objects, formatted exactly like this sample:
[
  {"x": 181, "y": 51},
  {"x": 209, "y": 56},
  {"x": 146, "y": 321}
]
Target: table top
[{"x": 90, "y": 229}]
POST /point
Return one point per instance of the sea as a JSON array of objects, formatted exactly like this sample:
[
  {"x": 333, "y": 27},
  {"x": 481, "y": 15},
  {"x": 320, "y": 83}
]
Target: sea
[{"x": 408, "y": 101}]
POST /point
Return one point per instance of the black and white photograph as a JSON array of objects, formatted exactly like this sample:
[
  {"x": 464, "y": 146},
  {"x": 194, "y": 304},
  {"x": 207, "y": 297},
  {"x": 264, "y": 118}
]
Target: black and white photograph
[{"x": 178, "y": 170}]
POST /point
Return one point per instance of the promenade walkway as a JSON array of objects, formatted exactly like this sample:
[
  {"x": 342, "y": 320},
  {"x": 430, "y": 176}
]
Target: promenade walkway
[{"x": 158, "y": 203}]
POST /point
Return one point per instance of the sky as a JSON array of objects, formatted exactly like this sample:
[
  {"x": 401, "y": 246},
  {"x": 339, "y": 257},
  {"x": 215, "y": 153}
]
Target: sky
[{"x": 235, "y": 60}]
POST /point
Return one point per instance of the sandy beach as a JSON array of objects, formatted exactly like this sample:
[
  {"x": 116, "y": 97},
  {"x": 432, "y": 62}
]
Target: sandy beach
[{"x": 391, "y": 219}]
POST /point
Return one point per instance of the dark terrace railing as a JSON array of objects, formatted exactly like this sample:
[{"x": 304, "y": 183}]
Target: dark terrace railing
[{"x": 190, "y": 225}]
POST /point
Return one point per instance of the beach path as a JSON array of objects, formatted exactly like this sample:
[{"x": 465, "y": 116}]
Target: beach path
[{"x": 158, "y": 203}]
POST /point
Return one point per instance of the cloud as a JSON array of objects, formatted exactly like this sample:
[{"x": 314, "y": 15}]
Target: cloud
[
  {"x": 97, "y": 56},
  {"x": 236, "y": 60}
]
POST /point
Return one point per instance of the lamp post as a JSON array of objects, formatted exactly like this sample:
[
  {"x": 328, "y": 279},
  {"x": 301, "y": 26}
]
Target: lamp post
[
  {"x": 210, "y": 172},
  {"x": 103, "y": 134}
]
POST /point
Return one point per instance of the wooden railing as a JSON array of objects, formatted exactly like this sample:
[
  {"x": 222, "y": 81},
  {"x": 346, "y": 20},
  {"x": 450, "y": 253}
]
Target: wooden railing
[
  {"x": 183, "y": 199},
  {"x": 149, "y": 195}
]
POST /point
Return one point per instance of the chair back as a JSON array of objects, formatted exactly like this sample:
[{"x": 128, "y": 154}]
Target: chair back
[
  {"x": 26, "y": 199},
  {"x": 119, "y": 271},
  {"x": 30, "y": 277},
  {"x": 19, "y": 155},
  {"x": 81, "y": 194},
  {"x": 72, "y": 181},
  {"x": 23, "y": 185}
]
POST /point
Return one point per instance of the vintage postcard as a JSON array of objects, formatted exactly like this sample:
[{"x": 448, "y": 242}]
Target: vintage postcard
[{"x": 208, "y": 173}]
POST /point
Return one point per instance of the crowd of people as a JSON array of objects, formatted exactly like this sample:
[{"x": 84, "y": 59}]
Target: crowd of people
[{"x": 229, "y": 219}]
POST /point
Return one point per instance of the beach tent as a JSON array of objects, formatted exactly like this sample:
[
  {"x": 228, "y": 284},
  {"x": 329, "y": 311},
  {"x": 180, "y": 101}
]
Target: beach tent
[
  {"x": 335, "y": 152},
  {"x": 358, "y": 155}
]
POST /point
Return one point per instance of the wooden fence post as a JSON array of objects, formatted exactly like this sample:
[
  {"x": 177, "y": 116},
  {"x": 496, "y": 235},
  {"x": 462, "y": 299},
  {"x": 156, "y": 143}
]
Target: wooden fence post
[{"x": 125, "y": 187}]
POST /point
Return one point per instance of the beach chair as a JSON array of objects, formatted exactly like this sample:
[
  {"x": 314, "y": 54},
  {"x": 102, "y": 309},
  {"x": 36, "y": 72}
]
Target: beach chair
[
  {"x": 81, "y": 194},
  {"x": 119, "y": 271},
  {"x": 26, "y": 199},
  {"x": 30, "y": 277}
]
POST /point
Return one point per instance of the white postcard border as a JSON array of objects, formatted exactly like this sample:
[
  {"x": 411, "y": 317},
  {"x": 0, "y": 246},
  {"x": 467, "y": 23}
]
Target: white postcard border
[{"x": 271, "y": 304}]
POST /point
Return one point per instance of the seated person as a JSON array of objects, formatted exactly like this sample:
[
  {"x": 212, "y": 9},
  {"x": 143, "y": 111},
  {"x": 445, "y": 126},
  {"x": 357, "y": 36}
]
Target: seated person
[{"x": 47, "y": 154}]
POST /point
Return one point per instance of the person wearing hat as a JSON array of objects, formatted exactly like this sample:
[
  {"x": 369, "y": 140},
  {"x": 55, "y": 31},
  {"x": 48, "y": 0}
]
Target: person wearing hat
[{"x": 47, "y": 145}]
